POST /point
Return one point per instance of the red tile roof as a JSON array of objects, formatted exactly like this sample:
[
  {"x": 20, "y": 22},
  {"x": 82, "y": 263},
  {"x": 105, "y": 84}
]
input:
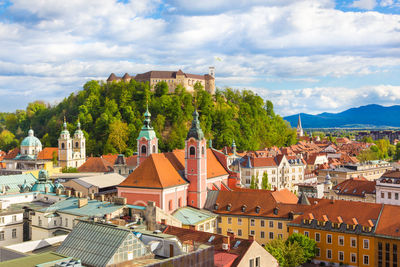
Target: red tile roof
[
  {"x": 47, "y": 153},
  {"x": 214, "y": 167},
  {"x": 96, "y": 164},
  {"x": 155, "y": 172},
  {"x": 12, "y": 153},
  {"x": 285, "y": 196},
  {"x": 131, "y": 161},
  {"x": 345, "y": 210},
  {"x": 389, "y": 221},
  {"x": 392, "y": 174},
  {"x": 203, "y": 238},
  {"x": 355, "y": 187},
  {"x": 111, "y": 158}
]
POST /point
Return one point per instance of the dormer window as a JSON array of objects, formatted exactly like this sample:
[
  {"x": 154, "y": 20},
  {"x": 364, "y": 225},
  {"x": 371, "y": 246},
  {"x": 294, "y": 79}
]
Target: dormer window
[
  {"x": 228, "y": 207},
  {"x": 244, "y": 208},
  {"x": 276, "y": 211},
  {"x": 216, "y": 205},
  {"x": 258, "y": 209}
]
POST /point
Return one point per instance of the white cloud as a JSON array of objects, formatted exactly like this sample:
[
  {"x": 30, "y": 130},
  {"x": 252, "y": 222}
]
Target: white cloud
[
  {"x": 364, "y": 4},
  {"x": 329, "y": 99}
]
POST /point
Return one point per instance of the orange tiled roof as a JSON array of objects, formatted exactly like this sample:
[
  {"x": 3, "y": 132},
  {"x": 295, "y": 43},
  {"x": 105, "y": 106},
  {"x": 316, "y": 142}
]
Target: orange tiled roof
[
  {"x": 131, "y": 161},
  {"x": 185, "y": 235},
  {"x": 111, "y": 158},
  {"x": 392, "y": 174},
  {"x": 96, "y": 164},
  {"x": 253, "y": 198},
  {"x": 389, "y": 221},
  {"x": 47, "y": 153},
  {"x": 346, "y": 210},
  {"x": 214, "y": 167},
  {"x": 155, "y": 172},
  {"x": 355, "y": 187},
  {"x": 285, "y": 196},
  {"x": 12, "y": 153}
]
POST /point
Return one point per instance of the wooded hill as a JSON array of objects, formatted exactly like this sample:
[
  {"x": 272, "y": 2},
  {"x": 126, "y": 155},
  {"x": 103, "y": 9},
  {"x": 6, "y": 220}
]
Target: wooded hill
[{"x": 111, "y": 116}]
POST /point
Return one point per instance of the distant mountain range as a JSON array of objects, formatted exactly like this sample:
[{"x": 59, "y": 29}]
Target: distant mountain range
[{"x": 369, "y": 116}]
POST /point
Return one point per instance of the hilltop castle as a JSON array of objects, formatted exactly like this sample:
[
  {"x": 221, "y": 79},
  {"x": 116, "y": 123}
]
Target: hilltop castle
[{"x": 172, "y": 78}]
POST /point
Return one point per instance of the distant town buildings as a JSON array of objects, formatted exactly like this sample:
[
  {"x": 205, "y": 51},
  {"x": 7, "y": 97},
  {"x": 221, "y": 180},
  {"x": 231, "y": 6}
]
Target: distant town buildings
[{"x": 172, "y": 78}]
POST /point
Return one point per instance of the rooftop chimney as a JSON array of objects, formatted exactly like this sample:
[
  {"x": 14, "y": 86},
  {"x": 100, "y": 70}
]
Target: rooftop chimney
[
  {"x": 58, "y": 191},
  {"x": 101, "y": 198},
  {"x": 82, "y": 202},
  {"x": 251, "y": 237},
  {"x": 76, "y": 194},
  {"x": 192, "y": 227},
  {"x": 68, "y": 193},
  {"x": 225, "y": 242},
  {"x": 231, "y": 235}
]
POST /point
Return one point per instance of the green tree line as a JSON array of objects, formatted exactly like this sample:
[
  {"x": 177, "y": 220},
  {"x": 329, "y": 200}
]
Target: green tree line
[{"x": 111, "y": 116}]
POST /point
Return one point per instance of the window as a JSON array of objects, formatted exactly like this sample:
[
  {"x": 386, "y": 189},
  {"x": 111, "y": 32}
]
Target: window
[
  {"x": 317, "y": 252},
  {"x": 192, "y": 151},
  {"x": 66, "y": 222},
  {"x": 262, "y": 222},
  {"x": 252, "y": 232},
  {"x": 1, "y": 219},
  {"x": 144, "y": 149},
  {"x": 271, "y": 224},
  {"x": 258, "y": 262},
  {"x": 366, "y": 243},
  {"x": 239, "y": 232},
  {"x": 271, "y": 235},
  {"x": 317, "y": 237},
  {"x": 154, "y": 149},
  {"x": 280, "y": 236},
  {"x": 239, "y": 221},
  {"x": 280, "y": 225},
  {"x": 170, "y": 205},
  {"x": 202, "y": 150},
  {"x": 394, "y": 255},
  {"x": 380, "y": 254},
  {"x": 1, "y": 235},
  {"x": 396, "y": 196},
  {"x": 329, "y": 254},
  {"x": 229, "y": 220},
  {"x": 180, "y": 202},
  {"x": 55, "y": 223},
  {"x": 14, "y": 233},
  {"x": 341, "y": 256},
  {"x": 387, "y": 252},
  {"x": 251, "y": 263},
  {"x": 39, "y": 221},
  {"x": 382, "y": 194},
  {"x": 252, "y": 222},
  {"x": 366, "y": 260},
  {"x": 389, "y": 195},
  {"x": 341, "y": 240},
  {"x": 262, "y": 234},
  {"x": 329, "y": 239},
  {"x": 219, "y": 230},
  {"x": 306, "y": 233},
  {"x": 14, "y": 218},
  {"x": 353, "y": 242},
  {"x": 353, "y": 257},
  {"x": 76, "y": 144},
  {"x": 62, "y": 146}
]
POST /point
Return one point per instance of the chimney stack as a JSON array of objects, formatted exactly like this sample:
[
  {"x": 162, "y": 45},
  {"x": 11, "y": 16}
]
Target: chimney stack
[
  {"x": 76, "y": 194},
  {"x": 82, "y": 202},
  {"x": 251, "y": 237},
  {"x": 225, "y": 243},
  {"x": 192, "y": 227},
  {"x": 58, "y": 191},
  {"x": 68, "y": 193},
  {"x": 80, "y": 194},
  {"x": 46, "y": 189},
  {"x": 91, "y": 196},
  {"x": 102, "y": 198},
  {"x": 231, "y": 235}
]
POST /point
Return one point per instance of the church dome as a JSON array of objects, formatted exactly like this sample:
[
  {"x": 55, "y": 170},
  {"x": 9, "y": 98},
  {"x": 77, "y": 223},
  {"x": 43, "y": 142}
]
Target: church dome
[
  {"x": 31, "y": 140},
  {"x": 42, "y": 183}
]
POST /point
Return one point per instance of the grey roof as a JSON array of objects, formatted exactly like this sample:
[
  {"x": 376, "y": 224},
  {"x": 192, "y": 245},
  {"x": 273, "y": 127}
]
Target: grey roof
[
  {"x": 210, "y": 200},
  {"x": 95, "y": 244},
  {"x": 83, "y": 183},
  {"x": 9, "y": 254}
]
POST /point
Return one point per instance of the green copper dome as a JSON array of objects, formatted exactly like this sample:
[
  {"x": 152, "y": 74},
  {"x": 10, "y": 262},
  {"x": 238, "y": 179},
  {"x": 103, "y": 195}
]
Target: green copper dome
[
  {"x": 26, "y": 187},
  {"x": 195, "y": 131},
  {"x": 42, "y": 183},
  {"x": 147, "y": 131},
  {"x": 31, "y": 140}
]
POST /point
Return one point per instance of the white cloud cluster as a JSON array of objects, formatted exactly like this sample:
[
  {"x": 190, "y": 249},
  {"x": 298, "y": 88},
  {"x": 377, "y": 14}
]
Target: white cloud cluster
[
  {"x": 50, "y": 48},
  {"x": 329, "y": 99}
]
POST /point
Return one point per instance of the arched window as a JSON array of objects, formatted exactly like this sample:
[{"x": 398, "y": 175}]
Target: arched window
[
  {"x": 192, "y": 151},
  {"x": 144, "y": 149},
  {"x": 170, "y": 205},
  {"x": 154, "y": 149},
  {"x": 202, "y": 150},
  {"x": 69, "y": 145},
  {"x": 76, "y": 144},
  {"x": 62, "y": 145},
  {"x": 180, "y": 202}
]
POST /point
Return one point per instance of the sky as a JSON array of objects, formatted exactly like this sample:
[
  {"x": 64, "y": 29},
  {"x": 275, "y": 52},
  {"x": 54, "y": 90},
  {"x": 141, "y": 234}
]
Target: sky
[{"x": 308, "y": 56}]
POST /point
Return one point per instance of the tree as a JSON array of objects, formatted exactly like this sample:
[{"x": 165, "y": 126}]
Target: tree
[
  {"x": 161, "y": 88},
  {"x": 264, "y": 183},
  {"x": 287, "y": 254},
  {"x": 7, "y": 140},
  {"x": 55, "y": 158},
  {"x": 397, "y": 152},
  {"x": 308, "y": 245},
  {"x": 253, "y": 183},
  {"x": 118, "y": 135}
]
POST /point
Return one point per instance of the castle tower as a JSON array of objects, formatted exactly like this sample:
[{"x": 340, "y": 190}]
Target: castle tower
[
  {"x": 147, "y": 142},
  {"x": 300, "y": 132},
  {"x": 65, "y": 147},
  {"x": 79, "y": 147},
  {"x": 196, "y": 164}
]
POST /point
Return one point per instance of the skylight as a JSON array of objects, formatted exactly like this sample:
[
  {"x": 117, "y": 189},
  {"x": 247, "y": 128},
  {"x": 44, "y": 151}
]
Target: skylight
[
  {"x": 211, "y": 239},
  {"x": 237, "y": 244}
]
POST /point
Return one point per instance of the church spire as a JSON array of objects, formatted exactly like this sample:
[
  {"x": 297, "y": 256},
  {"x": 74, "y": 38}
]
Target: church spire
[
  {"x": 147, "y": 142},
  {"x": 195, "y": 130},
  {"x": 300, "y": 132}
]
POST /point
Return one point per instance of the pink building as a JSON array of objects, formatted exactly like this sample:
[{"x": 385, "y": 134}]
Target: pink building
[{"x": 178, "y": 178}]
